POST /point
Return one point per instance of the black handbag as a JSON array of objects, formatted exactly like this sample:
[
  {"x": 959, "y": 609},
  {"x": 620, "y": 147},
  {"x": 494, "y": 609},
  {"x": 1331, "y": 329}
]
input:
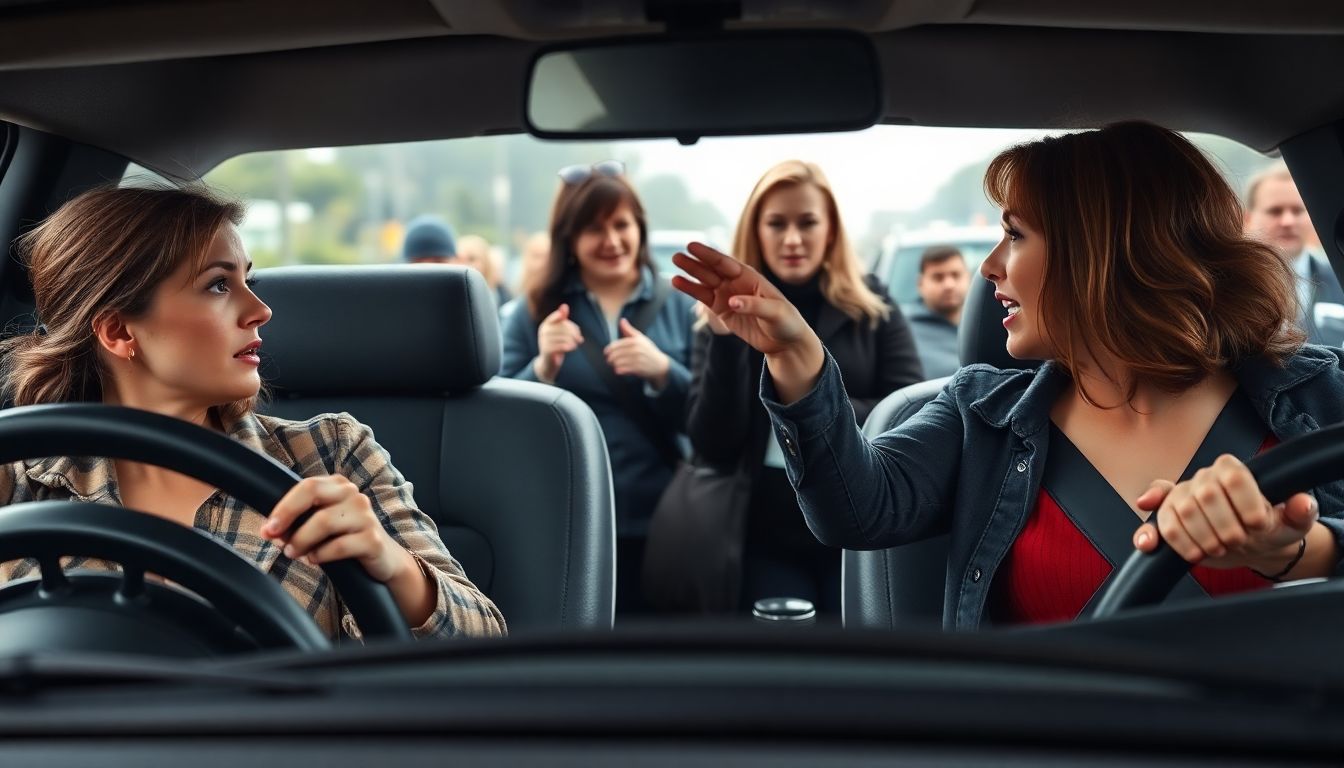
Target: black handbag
[{"x": 693, "y": 557}]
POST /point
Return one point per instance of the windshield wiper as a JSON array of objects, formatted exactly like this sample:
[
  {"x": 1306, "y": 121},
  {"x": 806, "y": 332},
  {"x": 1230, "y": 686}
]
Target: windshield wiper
[{"x": 34, "y": 673}]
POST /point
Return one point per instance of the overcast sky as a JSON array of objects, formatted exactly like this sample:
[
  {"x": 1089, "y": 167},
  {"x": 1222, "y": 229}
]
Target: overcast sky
[{"x": 882, "y": 168}]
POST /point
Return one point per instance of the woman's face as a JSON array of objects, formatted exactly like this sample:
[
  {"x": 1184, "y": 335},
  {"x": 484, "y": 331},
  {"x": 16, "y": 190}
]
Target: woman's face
[
  {"x": 795, "y": 232},
  {"x": 608, "y": 248},
  {"x": 197, "y": 345},
  {"x": 1016, "y": 266}
]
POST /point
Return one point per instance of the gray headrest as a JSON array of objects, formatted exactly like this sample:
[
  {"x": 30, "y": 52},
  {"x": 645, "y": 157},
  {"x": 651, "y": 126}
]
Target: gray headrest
[
  {"x": 396, "y": 329},
  {"x": 982, "y": 337}
]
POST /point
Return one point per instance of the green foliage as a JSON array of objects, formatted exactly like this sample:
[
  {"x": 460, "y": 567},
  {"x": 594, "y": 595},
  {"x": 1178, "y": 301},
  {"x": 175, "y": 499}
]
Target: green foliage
[{"x": 499, "y": 187}]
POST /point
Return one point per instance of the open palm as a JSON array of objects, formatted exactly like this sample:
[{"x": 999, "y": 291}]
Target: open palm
[{"x": 752, "y": 308}]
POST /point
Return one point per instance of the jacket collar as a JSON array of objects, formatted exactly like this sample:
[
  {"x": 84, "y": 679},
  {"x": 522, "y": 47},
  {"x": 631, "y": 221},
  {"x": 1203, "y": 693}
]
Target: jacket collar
[
  {"x": 1022, "y": 399},
  {"x": 1264, "y": 382}
]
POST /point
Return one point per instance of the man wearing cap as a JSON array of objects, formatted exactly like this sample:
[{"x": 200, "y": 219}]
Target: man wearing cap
[{"x": 429, "y": 240}]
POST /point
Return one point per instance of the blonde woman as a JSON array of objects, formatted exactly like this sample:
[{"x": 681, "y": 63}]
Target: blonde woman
[{"x": 791, "y": 233}]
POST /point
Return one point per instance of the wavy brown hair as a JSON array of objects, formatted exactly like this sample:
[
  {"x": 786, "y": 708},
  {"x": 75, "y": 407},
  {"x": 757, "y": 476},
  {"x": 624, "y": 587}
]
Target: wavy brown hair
[
  {"x": 576, "y": 207},
  {"x": 842, "y": 276},
  {"x": 1145, "y": 258},
  {"x": 105, "y": 250}
]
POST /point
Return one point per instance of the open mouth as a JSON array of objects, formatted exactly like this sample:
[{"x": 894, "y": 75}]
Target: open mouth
[{"x": 249, "y": 352}]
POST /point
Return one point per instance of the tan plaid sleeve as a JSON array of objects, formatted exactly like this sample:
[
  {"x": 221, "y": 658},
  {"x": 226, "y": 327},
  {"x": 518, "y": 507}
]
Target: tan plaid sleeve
[{"x": 461, "y": 608}]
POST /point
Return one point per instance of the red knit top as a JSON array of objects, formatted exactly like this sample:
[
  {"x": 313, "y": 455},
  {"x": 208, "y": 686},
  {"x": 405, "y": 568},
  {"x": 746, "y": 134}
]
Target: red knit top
[{"x": 1052, "y": 570}]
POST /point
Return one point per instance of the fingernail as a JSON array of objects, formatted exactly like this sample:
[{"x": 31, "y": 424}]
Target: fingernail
[
  {"x": 735, "y": 303},
  {"x": 289, "y": 551},
  {"x": 1143, "y": 539}
]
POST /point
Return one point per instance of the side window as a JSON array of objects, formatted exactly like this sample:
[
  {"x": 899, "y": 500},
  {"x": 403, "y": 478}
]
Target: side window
[{"x": 1276, "y": 214}]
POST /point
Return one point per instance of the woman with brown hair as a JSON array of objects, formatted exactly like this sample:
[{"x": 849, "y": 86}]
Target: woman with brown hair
[
  {"x": 1171, "y": 358},
  {"x": 790, "y": 232},
  {"x": 145, "y": 297},
  {"x": 602, "y": 324}
]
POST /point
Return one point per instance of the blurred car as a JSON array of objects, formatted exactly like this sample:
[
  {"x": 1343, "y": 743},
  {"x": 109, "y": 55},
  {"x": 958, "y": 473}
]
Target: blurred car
[
  {"x": 665, "y": 242},
  {"x": 898, "y": 264}
]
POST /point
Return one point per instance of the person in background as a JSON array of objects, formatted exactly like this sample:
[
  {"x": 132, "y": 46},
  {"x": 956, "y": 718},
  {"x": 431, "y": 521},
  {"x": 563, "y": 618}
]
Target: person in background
[
  {"x": 536, "y": 253},
  {"x": 429, "y": 240},
  {"x": 474, "y": 251},
  {"x": 791, "y": 233},
  {"x": 944, "y": 282},
  {"x": 599, "y": 323},
  {"x": 1276, "y": 214}
]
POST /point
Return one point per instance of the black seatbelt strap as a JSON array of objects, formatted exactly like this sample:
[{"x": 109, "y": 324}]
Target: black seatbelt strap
[
  {"x": 1097, "y": 511},
  {"x": 1106, "y": 519}
]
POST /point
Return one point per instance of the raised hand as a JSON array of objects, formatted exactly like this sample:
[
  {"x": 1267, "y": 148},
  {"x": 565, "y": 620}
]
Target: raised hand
[
  {"x": 744, "y": 302},
  {"x": 740, "y": 299},
  {"x": 635, "y": 354},
  {"x": 557, "y": 336}
]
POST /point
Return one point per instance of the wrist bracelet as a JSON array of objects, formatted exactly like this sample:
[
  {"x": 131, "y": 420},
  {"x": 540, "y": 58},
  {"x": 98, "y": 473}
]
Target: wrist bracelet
[{"x": 1301, "y": 550}]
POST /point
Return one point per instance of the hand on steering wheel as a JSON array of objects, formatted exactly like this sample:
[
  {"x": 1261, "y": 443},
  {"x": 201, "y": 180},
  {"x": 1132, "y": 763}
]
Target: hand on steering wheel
[
  {"x": 1219, "y": 518},
  {"x": 1277, "y": 475},
  {"x": 342, "y": 526}
]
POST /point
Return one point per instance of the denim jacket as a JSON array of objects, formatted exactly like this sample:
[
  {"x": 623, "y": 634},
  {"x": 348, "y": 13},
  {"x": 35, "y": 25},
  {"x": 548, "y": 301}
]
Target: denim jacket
[{"x": 970, "y": 462}]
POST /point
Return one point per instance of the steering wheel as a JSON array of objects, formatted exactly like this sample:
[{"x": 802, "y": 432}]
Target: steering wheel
[
  {"x": 1302, "y": 462},
  {"x": 235, "y": 606}
]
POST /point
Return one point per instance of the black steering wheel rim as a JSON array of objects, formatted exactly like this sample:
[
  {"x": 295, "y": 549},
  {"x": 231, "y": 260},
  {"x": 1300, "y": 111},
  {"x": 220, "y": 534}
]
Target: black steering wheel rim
[
  {"x": 91, "y": 429},
  {"x": 1297, "y": 464}
]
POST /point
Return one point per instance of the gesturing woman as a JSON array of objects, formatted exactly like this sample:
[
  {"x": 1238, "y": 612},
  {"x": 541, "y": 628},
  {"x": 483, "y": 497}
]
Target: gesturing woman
[{"x": 1168, "y": 336}]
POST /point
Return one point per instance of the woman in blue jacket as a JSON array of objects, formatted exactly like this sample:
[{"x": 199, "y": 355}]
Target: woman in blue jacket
[
  {"x": 603, "y": 325},
  {"x": 1168, "y": 336}
]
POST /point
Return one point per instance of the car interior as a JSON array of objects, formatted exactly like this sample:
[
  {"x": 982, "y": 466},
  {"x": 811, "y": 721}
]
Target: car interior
[{"x": 117, "y": 670}]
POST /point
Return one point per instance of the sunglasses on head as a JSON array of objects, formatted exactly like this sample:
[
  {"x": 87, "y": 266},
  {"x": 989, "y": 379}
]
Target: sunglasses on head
[{"x": 577, "y": 174}]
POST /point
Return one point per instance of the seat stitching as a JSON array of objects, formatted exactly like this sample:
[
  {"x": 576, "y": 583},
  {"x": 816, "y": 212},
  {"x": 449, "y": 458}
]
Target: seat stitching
[
  {"x": 471, "y": 315},
  {"x": 569, "y": 515},
  {"x": 886, "y": 584}
]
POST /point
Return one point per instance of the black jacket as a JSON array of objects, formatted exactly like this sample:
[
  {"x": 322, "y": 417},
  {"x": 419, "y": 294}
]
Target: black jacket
[{"x": 726, "y": 421}]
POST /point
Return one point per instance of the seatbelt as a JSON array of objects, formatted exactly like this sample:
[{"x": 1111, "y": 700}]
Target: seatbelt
[
  {"x": 1088, "y": 500},
  {"x": 634, "y": 404}
]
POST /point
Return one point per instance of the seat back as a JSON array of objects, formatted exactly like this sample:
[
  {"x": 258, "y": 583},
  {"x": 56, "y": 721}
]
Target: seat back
[
  {"x": 903, "y": 586},
  {"x": 514, "y": 474}
]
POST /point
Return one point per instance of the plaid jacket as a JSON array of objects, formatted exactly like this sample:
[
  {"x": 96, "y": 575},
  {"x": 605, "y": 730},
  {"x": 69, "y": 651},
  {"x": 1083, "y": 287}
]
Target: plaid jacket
[{"x": 325, "y": 444}]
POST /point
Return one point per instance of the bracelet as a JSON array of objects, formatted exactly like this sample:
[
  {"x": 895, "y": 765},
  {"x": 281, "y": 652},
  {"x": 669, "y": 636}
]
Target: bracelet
[{"x": 1301, "y": 550}]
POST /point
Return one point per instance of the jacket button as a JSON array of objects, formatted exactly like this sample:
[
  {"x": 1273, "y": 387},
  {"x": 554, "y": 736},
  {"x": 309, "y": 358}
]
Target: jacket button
[
  {"x": 788, "y": 445},
  {"x": 975, "y": 575},
  {"x": 1021, "y": 466}
]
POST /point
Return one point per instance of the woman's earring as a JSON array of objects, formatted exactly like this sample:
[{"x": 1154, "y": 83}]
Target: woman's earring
[{"x": 132, "y": 357}]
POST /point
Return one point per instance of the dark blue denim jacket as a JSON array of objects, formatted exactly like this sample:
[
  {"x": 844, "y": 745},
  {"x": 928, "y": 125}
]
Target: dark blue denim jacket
[{"x": 970, "y": 462}]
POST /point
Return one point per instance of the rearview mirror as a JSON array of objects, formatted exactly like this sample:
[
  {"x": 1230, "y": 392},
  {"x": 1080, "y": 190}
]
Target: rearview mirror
[{"x": 685, "y": 88}]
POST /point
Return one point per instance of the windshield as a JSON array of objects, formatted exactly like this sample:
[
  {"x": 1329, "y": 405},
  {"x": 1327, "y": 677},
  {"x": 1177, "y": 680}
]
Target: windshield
[{"x": 491, "y": 200}]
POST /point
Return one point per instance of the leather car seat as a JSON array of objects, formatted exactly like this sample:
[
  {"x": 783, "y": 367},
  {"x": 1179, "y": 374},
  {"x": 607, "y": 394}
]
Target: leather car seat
[
  {"x": 515, "y": 474},
  {"x": 902, "y": 587}
]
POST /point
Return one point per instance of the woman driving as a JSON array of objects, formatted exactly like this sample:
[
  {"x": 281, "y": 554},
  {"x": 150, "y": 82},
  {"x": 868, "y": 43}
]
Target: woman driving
[
  {"x": 1171, "y": 357},
  {"x": 146, "y": 301}
]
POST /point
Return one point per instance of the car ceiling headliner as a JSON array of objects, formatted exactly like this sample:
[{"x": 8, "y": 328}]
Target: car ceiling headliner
[{"x": 254, "y": 74}]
